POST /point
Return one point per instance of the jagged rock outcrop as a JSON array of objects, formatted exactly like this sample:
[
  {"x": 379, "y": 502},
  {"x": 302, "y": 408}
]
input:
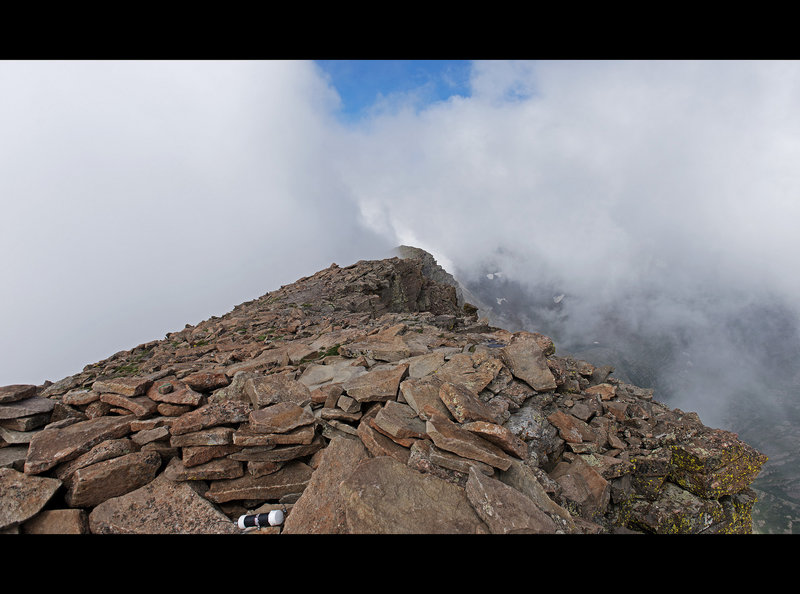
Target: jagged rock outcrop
[{"x": 362, "y": 399}]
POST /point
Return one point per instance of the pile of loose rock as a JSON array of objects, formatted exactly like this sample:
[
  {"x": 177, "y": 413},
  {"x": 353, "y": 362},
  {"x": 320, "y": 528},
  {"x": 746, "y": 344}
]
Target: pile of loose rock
[{"x": 361, "y": 400}]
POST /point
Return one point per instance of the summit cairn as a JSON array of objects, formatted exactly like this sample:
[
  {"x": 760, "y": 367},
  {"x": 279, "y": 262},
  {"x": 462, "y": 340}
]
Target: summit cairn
[{"x": 369, "y": 398}]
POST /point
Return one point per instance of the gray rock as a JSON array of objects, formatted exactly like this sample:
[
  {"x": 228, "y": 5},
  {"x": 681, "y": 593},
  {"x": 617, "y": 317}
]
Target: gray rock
[{"x": 23, "y": 496}]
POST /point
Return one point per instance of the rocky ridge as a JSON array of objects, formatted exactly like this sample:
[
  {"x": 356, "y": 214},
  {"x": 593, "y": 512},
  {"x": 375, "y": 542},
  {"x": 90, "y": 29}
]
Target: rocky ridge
[{"x": 362, "y": 399}]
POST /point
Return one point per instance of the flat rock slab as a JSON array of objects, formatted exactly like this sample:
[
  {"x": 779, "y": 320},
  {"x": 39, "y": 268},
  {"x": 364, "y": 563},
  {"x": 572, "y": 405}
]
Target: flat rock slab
[
  {"x": 292, "y": 478},
  {"x": 219, "y": 469},
  {"x": 504, "y": 509},
  {"x": 172, "y": 391},
  {"x": 53, "y": 446},
  {"x": 105, "y": 450},
  {"x": 13, "y": 456},
  {"x": 400, "y": 421},
  {"x": 23, "y": 496},
  {"x": 272, "y": 389},
  {"x": 316, "y": 375},
  {"x": 464, "y": 405},
  {"x": 500, "y": 436},
  {"x": 23, "y": 408},
  {"x": 210, "y": 415},
  {"x": 320, "y": 509},
  {"x": 126, "y": 386},
  {"x": 449, "y": 436},
  {"x": 141, "y": 406},
  {"x": 16, "y": 392},
  {"x": 204, "y": 437},
  {"x": 278, "y": 454},
  {"x": 206, "y": 381},
  {"x": 526, "y": 361},
  {"x": 280, "y": 418},
  {"x": 180, "y": 510},
  {"x": 91, "y": 485},
  {"x": 384, "y": 496},
  {"x": 245, "y": 436},
  {"x": 379, "y": 385},
  {"x": 421, "y": 392},
  {"x": 58, "y": 521}
]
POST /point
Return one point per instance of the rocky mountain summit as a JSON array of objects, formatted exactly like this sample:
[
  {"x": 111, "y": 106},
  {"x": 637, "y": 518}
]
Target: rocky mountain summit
[{"x": 362, "y": 399}]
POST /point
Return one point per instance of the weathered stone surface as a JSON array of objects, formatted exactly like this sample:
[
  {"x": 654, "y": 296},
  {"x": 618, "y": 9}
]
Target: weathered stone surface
[
  {"x": 383, "y": 496},
  {"x": 245, "y": 436},
  {"x": 279, "y": 418},
  {"x": 58, "y": 521},
  {"x": 292, "y": 478},
  {"x": 23, "y": 496},
  {"x": 180, "y": 510},
  {"x": 125, "y": 386},
  {"x": 210, "y": 415},
  {"x": 141, "y": 406},
  {"x": 320, "y": 509},
  {"x": 16, "y": 392},
  {"x": 91, "y": 485},
  {"x": 80, "y": 397},
  {"x": 377, "y": 443},
  {"x": 504, "y": 509},
  {"x": 376, "y": 386},
  {"x": 583, "y": 486},
  {"x": 715, "y": 465},
  {"x": 464, "y": 405},
  {"x": 23, "y": 408},
  {"x": 422, "y": 392},
  {"x": 206, "y": 381},
  {"x": 526, "y": 360},
  {"x": 13, "y": 457},
  {"x": 423, "y": 365},
  {"x": 273, "y": 389},
  {"x": 172, "y": 391},
  {"x": 449, "y": 436},
  {"x": 148, "y": 435},
  {"x": 279, "y": 453},
  {"x": 105, "y": 450},
  {"x": 196, "y": 455},
  {"x": 400, "y": 421},
  {"x": 500, "y": 436},
  {"x": 217, "y": 469},
  {"x": 316, "y": 376},
  {"x": 53, "y": 446},
  {"x": 521, "y": 477},
  {"x": 204, "y": 437},
  {"x": 676, "y": 511},
  {"x": 461, "y": 370},
  {"x": 571, "y": 429}
]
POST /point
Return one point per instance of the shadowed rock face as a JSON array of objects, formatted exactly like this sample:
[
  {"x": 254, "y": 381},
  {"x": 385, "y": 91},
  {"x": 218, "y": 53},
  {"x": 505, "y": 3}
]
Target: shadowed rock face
[{"x": 364, "y": 399}]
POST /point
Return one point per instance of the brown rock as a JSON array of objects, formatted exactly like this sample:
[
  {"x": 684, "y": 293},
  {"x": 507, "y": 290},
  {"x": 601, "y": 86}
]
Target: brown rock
[
  {"x": 571, "y": 429},
  {"x": 272, "y": 389},
  {"x": 320, "y": 510},
  {"x": 204, "y": 437},
  {"x": 125, "y": 386},
  {"x": 526, "y": 360},
  {"x": 245, "y": 436},
  {"x": 141, "y": 406},
  {"x": 292, "y": 478},
  {"x": 58, "y": 521},
  {"x": 196, "y": 455},
  {"x": 33, "y": 405},
  {"x": 451, "y": 437},
  {"x": 180, "y": 510},
  {"x": 105, "y": 450},
  {"x": 277, "y": 454},
  {"x": 422, "y": 392},
  {"x": 377, "y": 443},
  {"x": 210, "y": 415},
  {"x": 583, "y": 486},
  {"x": 217, "y": 469},
  {"x": 500, "y": 436},
  {"x": 16, "y": 392},
  {"x": 53, "y": 446},
  {"x": 91, "y": 485},
  {"x": 279, "y": 418},
  {"x": 179, "y": 394},
  {"x": 383, "y": 496},
  {"x": 399, "y": 421},
  {"x": 80, "y": 397},
  {"x": 605, "y": 391},
  {"x": 378, "y": 385},
  {"x": 504, "y": 509},
  {"x": 464, "y": 405},
  {"x": 23, "y": 496},
  {"x": 206, "y": 381}
]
